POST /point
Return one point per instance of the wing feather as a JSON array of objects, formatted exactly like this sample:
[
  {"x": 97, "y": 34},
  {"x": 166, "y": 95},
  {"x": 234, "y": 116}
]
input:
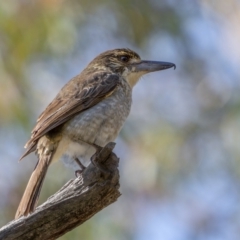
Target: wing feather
[{"x": 76, "y": 96}]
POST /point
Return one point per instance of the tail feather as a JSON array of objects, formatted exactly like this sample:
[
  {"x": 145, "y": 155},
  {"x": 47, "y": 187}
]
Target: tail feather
[
  {"x": 30, "y": 197},
  {"x": 31, "y": 147}
]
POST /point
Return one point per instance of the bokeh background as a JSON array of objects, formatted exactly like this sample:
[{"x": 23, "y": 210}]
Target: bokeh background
[{"x": 179, "y": 149}]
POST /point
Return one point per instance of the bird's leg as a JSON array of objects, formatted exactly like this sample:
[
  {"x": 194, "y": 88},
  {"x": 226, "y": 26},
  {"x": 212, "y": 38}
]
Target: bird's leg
[
  {"x": 97, "y": 147},
  {"x": 78, "y": 172}
]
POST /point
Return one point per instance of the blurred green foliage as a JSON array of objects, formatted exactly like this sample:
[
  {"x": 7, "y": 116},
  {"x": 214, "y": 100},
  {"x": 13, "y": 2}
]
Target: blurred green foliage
[{"x": 180, "y": 145}]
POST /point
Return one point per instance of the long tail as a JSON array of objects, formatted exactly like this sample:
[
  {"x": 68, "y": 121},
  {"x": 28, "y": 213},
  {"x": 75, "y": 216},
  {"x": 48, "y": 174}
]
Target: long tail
[{"x": 30, "y": 197}]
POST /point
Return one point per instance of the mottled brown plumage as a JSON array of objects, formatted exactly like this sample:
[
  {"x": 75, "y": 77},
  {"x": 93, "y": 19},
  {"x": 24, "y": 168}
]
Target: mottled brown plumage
[
  {"x": 89, "y": 110},
  {"x": 78, "y": 95}
]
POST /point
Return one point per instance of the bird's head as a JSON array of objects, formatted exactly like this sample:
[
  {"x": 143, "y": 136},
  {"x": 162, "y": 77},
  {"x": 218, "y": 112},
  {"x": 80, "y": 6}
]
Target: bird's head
[{"x": 128, "y": 64}]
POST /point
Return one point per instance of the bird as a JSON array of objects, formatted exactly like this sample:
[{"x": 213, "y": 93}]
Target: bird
[{"x": 88, "y": 112}]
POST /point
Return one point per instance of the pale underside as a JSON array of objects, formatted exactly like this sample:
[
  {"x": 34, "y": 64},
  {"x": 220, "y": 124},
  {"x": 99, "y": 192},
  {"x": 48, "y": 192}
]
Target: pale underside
[{"x": 99, "y": 125}]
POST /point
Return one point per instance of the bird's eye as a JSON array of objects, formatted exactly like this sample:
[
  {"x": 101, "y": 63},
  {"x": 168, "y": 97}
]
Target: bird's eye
[{"x": 124, "y": 58}]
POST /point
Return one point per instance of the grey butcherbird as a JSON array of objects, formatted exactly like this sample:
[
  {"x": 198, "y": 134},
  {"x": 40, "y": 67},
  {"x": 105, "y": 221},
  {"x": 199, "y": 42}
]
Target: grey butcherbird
[{"x": 89, "y": 111}]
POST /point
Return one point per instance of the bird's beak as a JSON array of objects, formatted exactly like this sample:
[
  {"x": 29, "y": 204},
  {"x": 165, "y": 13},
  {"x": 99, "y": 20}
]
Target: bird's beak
[{"x": 151, "y": 66}]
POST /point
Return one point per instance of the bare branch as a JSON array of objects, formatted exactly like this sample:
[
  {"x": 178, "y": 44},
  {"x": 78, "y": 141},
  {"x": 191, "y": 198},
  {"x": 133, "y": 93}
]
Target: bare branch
[{"x": 77, "y": 201}]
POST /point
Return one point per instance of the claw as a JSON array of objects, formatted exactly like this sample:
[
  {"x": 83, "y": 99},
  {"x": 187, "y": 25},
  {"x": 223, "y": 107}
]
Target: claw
[{"x": 79, "y": 172}]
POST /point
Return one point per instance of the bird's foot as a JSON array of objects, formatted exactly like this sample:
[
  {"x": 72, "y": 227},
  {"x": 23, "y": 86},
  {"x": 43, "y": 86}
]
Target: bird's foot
[{"x": 79, "y": 172}]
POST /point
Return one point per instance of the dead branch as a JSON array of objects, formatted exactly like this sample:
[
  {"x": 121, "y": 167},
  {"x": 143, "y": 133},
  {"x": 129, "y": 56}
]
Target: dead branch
[{"x": 77, "y": 201}]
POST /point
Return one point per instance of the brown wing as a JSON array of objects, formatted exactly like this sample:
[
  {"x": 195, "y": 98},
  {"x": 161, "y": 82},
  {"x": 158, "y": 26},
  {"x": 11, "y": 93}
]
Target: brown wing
[{"x": 79, "y": 94}]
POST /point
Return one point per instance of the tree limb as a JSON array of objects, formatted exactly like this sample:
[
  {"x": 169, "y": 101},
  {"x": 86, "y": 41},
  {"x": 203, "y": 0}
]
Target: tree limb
[{"x": 77, "y": 201}]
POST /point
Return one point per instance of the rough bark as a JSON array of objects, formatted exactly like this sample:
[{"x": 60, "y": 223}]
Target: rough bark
[{"x": 77, "y": 201}]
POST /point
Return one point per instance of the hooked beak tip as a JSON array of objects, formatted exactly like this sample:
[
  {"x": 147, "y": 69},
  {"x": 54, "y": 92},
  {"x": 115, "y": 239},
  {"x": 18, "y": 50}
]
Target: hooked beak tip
[{"x": 170, "y": 65}]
